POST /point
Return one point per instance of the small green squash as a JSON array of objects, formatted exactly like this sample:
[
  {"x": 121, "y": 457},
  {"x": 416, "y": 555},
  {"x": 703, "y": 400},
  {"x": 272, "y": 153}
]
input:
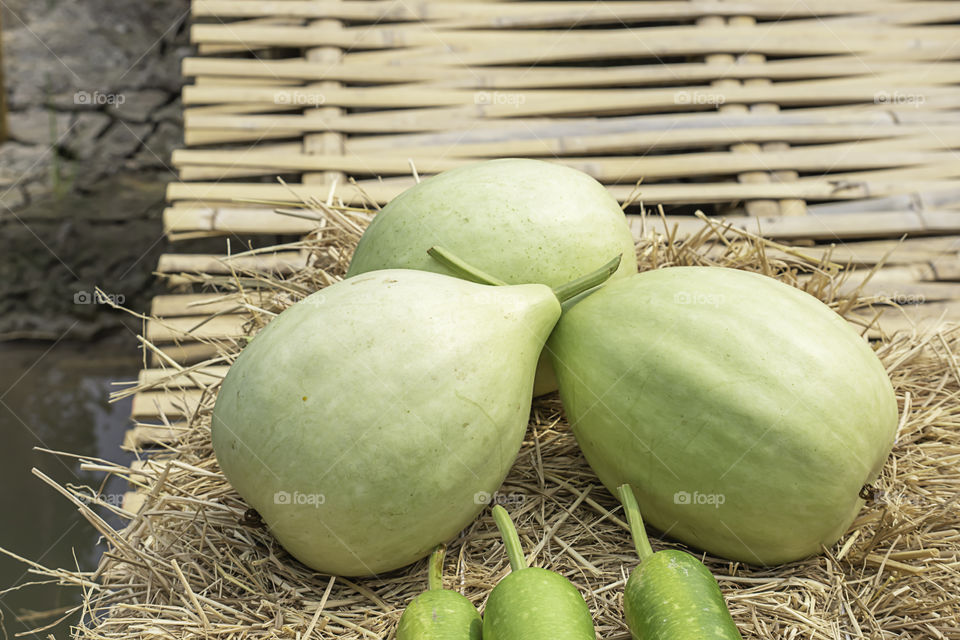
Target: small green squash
[
  {"x": 746, "y": 413},
  {"x": 439, "y": 614},
  {"x": 671, "y": 595},
  {"x": 532, "y": 603}
]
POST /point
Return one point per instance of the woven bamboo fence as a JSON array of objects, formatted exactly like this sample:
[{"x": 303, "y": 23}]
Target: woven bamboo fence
[{"x": 827, "y": 125}]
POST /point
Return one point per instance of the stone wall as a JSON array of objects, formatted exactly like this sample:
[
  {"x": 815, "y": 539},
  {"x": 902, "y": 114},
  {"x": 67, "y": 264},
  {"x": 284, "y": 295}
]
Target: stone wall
[{"x": 93, "y": 89}]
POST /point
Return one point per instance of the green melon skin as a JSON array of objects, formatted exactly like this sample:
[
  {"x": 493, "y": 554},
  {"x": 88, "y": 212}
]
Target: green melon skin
[
  {"x": 536, "y": 604},
  {"x": 672, "y": 596},
  {"x": 520, "y": 220},
  {"x": 440, "y": 614},
  {"x": 381, "y": 405},
  {"x": 746, "y": 414}
]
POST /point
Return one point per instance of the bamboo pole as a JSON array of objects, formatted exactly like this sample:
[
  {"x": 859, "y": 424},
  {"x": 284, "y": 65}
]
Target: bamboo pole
[
  {"x": 553, "y": 77},
  {"x": 436, "y": 126},
  {"x": 612, "y": 170},
  {"x": 484, "y": 13},
  {"x": 497, "y": 143},
  {"x": 878, "y": 224},
  {"x": 205, "y": 195},
  {"x": 281, "y": 262},
  {"x": 936, "y": 84},
  {"x": 498, "y": 46}
]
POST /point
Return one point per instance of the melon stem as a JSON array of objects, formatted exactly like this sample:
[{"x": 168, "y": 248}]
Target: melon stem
[
  {"x": 575, "y": 287},
  {"x": 510, "y": 538},
  {"x": 637, "y": 530},
  {"x": 563, "y": 293},
  {"x": 435, "y": 571},
  {"x": 462, "y": 269}
]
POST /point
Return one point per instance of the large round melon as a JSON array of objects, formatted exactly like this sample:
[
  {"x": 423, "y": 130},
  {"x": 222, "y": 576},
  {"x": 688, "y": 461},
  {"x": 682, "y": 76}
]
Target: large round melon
[
  {"x": 520, "y": 220},
  {"x": 746, "y": 413}
]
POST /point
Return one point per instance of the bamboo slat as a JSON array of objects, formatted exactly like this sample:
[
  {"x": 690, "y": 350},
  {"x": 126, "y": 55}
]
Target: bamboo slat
[
  {"x": 192, "y": 379},
  {"x": 921, "y": 318},
  {"x": 610, "y": 170},
  {"x": 143, "y": 436},
  {"x": 539, "y": 13},
  {"x": 185, "y": 354},
  {"x": 407, "y": 44},
  {"x": 382, "y": 191},
  {"x": 443, "y": 121},
  {"x": 283, "y": 263},
  {"x": 505, "y": 77},
  {"x": 195, "y": 327},
  {"x": 194, "y": 304},
  {"x": 558, "y": 102},
  {"x": 937, "y": 251},
  {"x": 173, "y": 404},
  {"x": 836, "y": 226}
]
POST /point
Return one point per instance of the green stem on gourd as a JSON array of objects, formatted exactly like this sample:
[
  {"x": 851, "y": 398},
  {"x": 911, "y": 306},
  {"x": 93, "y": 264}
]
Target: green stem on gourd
[
  {"x": 564, "y": 292},
  {"x": 435, "y": 570},
  {"x": 575, "y": 287},
  {"x": 510, "y": 538},
  {"x": 462, "y": 269},
  {"x": 637, "y": 530}
]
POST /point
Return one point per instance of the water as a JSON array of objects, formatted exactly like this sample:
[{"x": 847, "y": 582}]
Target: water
[{"x": 55, "y": 397}]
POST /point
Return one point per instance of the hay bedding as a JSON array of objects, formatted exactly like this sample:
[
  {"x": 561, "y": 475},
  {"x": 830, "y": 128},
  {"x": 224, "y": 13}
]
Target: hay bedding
[{"x": 195, "y": 562}]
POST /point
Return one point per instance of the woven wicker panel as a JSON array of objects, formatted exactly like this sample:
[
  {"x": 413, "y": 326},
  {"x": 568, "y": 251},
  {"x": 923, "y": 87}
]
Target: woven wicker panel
[{"x": 766, "y": 108}]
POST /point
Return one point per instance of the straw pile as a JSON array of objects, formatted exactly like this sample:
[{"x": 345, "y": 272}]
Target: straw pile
[{"x": 194, "y": 561}]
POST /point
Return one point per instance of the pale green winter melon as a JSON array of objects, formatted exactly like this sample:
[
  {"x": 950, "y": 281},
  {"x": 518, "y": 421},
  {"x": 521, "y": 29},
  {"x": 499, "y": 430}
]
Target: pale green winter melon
[
  {"x": 745, "y": 412},
  {"x": 368, "y": 422},
  {"x": 518, "y": 219}
]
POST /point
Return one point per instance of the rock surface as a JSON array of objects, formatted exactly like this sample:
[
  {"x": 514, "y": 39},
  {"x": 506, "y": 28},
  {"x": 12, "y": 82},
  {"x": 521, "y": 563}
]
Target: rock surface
[
  {"x": 93, "y": 91},
  {"x": 88, "y": 86}
]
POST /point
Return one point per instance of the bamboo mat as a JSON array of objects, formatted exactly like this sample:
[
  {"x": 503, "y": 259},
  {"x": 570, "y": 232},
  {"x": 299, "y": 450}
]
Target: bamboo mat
[{"x": 828, "y": 125}]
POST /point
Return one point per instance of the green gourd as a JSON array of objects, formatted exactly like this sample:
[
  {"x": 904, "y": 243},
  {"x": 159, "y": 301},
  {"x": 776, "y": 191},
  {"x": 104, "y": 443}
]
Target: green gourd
[
  {"x": 671, "y": 595},
  {"x": 532, "y": 603},
  {"x": 367, "y": 422},
  {"x": 746, "y": 413},
  {"x": 439, "y": 614},
  {"x": 523, "y": 220}
]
